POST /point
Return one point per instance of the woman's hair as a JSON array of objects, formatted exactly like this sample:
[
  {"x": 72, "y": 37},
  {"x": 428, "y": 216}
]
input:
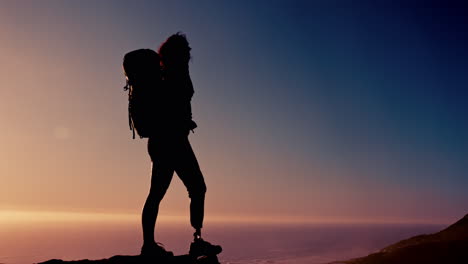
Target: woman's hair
[{"x": 175, "y": 51}]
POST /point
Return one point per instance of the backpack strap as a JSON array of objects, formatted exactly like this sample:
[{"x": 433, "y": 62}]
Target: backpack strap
[
  {"x": 130, "y": 120},
  {"x": 130, "y": 123}
]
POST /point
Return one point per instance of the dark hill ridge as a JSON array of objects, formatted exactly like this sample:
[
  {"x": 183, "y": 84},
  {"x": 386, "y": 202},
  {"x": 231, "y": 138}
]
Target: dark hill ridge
[
  {"x": 120, "y": 259},
  {"x": 445, "y": 247}
]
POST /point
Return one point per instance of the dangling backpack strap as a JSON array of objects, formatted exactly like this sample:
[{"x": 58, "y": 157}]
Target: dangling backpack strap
[{"x": 130, "y": 120}]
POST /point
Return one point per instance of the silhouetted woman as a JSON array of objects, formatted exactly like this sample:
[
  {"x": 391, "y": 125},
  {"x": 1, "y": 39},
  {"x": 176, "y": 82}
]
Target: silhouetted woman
[{"x": 170, "y": 149}]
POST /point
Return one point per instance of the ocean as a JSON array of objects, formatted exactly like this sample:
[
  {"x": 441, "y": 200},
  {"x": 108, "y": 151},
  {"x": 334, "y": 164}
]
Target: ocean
[{"x": 32, "y": 242}]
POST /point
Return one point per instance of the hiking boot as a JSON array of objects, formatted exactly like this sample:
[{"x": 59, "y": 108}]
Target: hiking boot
[
  {"x": 155, "y": 251},
  {"x": 200, "y": 247}
]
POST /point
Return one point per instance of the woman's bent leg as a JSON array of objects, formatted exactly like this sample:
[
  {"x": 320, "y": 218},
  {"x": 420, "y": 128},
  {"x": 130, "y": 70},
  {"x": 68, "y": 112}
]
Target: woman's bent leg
[{"x": 189, "y": 172}]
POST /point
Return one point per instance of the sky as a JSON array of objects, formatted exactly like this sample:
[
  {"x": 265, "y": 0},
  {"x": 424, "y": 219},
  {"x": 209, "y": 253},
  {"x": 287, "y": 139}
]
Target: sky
[{"x": 307, "y": 110}]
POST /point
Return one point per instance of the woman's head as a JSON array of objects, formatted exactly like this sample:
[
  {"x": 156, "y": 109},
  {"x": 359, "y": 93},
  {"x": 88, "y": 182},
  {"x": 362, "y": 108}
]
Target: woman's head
[
  {"x": 141, "y": 66},
  {"x": 175, "y": 51}
]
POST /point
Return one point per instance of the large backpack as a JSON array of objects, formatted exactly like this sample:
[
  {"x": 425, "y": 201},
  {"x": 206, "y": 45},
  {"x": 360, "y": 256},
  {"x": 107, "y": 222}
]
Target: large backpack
[{"x": 142, "y": 71}]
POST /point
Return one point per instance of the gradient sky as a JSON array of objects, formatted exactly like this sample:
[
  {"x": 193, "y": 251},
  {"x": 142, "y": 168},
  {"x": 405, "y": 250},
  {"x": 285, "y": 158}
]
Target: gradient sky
[{"x": 312, "y": 110}]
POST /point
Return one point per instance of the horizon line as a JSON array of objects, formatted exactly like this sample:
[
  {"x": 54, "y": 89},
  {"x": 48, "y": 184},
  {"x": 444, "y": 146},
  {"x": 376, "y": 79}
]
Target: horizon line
[{"x": 16, "y": 216}]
